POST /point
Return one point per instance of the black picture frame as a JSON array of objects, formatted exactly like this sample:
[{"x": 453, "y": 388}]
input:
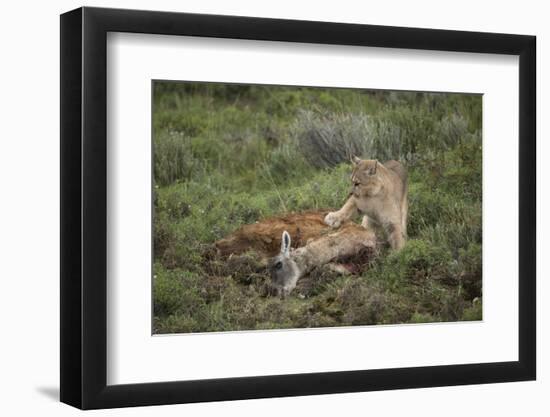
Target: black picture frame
[{"x": 84, "y": 207}]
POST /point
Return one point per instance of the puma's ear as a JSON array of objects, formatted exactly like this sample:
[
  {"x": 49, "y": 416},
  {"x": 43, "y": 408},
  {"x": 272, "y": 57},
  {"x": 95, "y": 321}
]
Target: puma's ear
[
  {"x": 355, "y": 160},
  {"x": 372, "y": 167}
]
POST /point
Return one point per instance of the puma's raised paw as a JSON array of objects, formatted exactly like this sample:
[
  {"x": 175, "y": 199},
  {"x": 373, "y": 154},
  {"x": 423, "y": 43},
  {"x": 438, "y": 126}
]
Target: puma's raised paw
[{"x": 332, "y": 219}]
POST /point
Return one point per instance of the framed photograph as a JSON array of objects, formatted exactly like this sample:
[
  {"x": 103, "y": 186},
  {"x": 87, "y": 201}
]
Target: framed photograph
[{"x": 257, "y": 208}]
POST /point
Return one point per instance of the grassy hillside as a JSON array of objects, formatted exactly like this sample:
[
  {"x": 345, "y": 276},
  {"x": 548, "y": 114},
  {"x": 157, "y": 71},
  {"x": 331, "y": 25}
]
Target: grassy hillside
[{"x": 227, "y": 155}]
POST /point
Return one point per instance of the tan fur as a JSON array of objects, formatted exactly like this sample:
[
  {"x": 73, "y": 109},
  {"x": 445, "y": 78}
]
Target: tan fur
[
  {"x": 346, "y": 241},
  {"x": 265, "y": 236},
  {"x": 379, "y": 192}
]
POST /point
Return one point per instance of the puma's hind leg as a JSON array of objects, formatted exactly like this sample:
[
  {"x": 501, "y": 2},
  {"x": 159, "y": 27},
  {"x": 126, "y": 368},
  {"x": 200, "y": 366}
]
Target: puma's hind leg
[
  {"x": 404, "y": 216},
  {"x": 396, "y": 237}
]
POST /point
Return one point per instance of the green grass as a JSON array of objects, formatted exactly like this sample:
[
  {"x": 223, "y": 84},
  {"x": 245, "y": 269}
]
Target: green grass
[{"x": 228, "y": 155}]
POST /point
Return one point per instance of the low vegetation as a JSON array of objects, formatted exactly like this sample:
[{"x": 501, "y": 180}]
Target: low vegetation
[{"x": 228, "y": 155}]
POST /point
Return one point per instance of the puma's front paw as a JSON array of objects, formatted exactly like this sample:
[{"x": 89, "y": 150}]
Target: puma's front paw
[{"x": 332, "y": 219}]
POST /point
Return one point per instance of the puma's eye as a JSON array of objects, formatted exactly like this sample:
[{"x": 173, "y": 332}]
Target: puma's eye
[{"x": 278, "y": 265}]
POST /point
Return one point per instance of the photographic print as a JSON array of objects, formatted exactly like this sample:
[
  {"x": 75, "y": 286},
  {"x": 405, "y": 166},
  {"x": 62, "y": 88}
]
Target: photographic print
[
  {"x": 311, "y": 204},
  {"x": 289, "y": 207}
]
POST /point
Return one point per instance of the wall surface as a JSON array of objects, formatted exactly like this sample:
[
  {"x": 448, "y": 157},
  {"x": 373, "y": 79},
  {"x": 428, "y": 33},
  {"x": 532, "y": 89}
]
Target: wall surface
[{"x": 29, "y": 225}]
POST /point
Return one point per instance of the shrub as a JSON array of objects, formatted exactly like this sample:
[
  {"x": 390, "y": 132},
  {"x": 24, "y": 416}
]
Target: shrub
[
  {"x": 418, "y": 261},
  {"x": 174, "y": 158},
  {"x": 473, "y": 312},
  {"x": 175, "y": 291},
  {"x": 328, "y": 140}
]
